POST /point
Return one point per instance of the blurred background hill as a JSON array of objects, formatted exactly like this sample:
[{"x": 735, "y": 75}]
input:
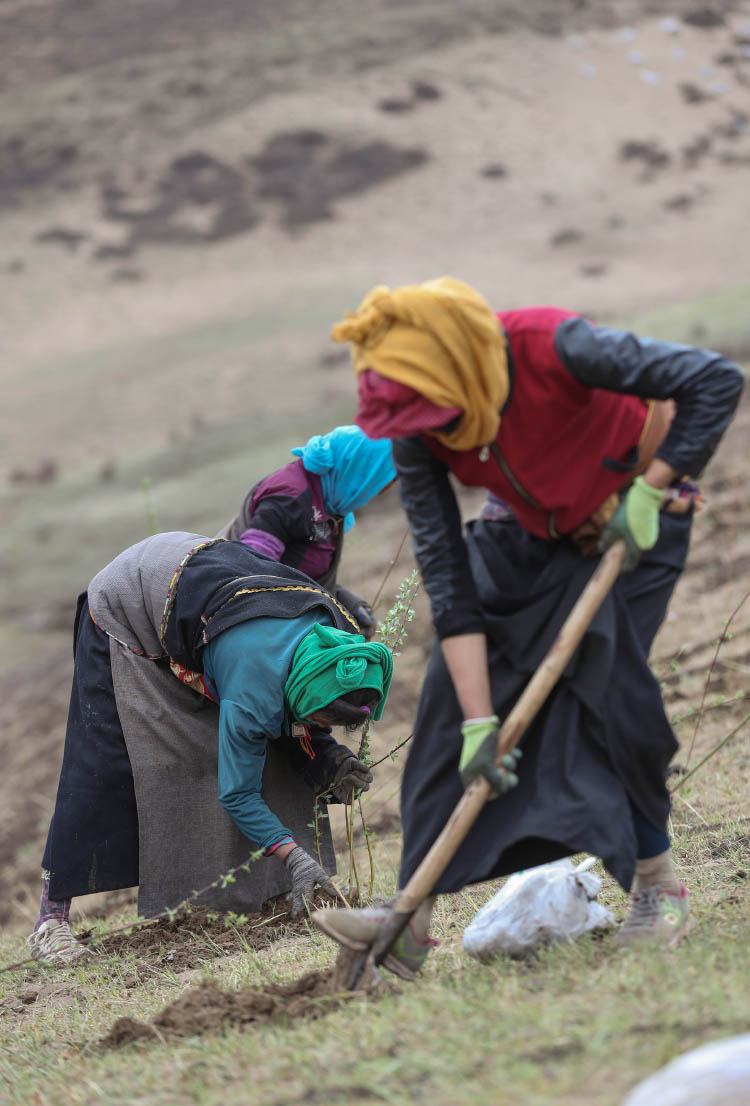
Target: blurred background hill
[{"x": 192, "y": 193}]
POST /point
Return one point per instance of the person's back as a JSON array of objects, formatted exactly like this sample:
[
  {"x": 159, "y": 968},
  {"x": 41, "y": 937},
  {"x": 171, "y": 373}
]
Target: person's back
[{"x": 299, "y": 514}]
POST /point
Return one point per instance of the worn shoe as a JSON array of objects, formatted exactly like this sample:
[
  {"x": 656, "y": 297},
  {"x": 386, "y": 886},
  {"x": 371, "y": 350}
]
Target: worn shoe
[
  {"x": 53, "y": 943},
  {"x": 662, "y": 917},
  {"x": 357, "y": 929}
]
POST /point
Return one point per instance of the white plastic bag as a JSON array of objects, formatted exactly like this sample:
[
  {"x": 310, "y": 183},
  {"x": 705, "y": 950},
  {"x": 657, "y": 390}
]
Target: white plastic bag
[
  {"x": 554, "y": 902},
  {"x": 716, "y": 1074}
]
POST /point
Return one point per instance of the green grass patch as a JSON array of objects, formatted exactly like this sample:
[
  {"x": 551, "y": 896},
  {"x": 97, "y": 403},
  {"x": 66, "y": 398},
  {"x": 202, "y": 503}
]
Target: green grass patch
[{"x": 720, "y": 321}]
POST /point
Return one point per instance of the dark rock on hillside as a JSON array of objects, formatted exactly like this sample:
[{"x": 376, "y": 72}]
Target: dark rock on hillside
[
  {"x": 650, "y": 154},
  {"x": 307, "y": 172},
  {"x": 706, "y": 18}
]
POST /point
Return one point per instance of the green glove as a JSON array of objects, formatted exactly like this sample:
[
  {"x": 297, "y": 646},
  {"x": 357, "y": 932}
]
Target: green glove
[
  {"x": 636, "y": 520},
  {"x": 479, "y": 756}
]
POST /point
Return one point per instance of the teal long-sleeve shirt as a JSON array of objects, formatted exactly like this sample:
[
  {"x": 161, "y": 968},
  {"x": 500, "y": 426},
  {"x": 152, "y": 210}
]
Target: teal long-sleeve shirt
[{"x": 248, "y": 666}]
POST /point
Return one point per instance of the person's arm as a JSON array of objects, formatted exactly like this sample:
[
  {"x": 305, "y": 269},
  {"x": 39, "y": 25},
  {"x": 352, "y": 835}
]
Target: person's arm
[
  {"x": 276, "y": 522},
  {"x": 317, "y": 770},
  {"x": 358, "y": 607},
  {"x": 435, "y": 523},
  {"x": 242, "y": 756},
  {"x": 329, "y": 770},
  {"x": 437, "y": 536},
  {"x": 466, "y": 659},
  {"x": 705, "y": 386}
]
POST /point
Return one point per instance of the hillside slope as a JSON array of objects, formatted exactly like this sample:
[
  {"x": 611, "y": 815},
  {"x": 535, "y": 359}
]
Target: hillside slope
[{"x": 191, "y": 194}]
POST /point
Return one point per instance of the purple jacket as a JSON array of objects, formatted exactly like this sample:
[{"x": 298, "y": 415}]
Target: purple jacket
[{"x": 286, "y": 519}]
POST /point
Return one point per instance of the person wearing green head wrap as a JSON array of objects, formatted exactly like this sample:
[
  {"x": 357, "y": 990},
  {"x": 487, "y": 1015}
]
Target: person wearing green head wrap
[
  {"x": 206, "y": 682},
  {"x": 328, "y": 663},
  {"x": 314, "y": 675}
]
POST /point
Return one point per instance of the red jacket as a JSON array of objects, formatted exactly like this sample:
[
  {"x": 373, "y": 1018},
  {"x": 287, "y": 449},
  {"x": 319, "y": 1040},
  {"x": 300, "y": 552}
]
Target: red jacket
[{"x": 562, "y": 447}]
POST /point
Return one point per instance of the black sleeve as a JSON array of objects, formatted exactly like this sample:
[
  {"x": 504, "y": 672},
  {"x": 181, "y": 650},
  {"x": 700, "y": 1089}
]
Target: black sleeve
[
  {"x": 705, "y": 386},
  {"x": 319, "y": 771},
  {"x": 350, "y": 599},
  {"x": 437, "y": 536},
  {"x": 286, "y": 517}
]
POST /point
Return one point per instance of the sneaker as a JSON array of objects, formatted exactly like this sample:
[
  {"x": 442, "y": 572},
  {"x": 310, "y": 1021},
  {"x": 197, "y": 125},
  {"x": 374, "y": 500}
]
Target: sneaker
[
  {"x": 357, "y": 929},
  {"x": 53, "y": 943},
  {"x": 656, "y": 915}
]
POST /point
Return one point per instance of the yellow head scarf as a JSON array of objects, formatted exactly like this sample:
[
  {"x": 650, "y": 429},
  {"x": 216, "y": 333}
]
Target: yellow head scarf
[{"x": 442, "y": 339}]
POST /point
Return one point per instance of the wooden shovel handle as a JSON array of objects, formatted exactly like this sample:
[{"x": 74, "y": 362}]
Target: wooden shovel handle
[{"x": 532, "y": 698}]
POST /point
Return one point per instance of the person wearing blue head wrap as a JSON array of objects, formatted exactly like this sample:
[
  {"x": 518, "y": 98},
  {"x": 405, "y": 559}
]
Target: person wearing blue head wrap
[
  {"x": 299, "y": 514},
  {"x": 352, "y": 468}
]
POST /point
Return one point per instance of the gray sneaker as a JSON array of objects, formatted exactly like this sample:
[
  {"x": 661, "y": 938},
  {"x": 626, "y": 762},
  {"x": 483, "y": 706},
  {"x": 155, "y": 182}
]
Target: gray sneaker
[
  {"x": 53, "y": 943},
  {"x": 656, "y": 916},
  {"x": 357, "y": 929}
]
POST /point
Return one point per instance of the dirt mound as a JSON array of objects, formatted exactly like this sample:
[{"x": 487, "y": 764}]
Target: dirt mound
[
  {"x": 206, "y": 1008},
  {"x": 31, "y": 997}
]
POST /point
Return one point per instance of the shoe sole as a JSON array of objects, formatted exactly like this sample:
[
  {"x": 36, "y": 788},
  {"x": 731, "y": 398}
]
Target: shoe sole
[
  {"x": 672, "y": 943},
  {"x": 689, "y": 925},
  {"x": 55, "y": 961},
  {"x": 322, "y": 923},
  {"x": 390, "y": 962}
]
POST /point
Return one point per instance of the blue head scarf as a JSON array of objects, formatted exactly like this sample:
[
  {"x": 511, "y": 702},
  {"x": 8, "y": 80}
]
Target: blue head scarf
[{"x": 352, "y": 468}]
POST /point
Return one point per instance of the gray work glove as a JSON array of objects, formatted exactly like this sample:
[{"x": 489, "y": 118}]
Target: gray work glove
[
  {"x": 306, "y": 874},
  {"x": 351, "y": 775}
]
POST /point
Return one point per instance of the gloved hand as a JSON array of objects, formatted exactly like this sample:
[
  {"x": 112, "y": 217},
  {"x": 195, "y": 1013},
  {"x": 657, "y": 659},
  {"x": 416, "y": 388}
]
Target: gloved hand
[
  {"x": 636, "y": 520},
  {"x": 351, "y": 775},
  {"x": 306, "y": 875},
  {"x": 479, "y": 753}
]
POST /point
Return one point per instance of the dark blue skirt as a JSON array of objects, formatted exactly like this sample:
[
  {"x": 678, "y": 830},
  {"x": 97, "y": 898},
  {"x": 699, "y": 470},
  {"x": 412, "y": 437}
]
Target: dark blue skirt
[
  {"x": 601, "y": 742},
  {"x": 92, "y": 844}
]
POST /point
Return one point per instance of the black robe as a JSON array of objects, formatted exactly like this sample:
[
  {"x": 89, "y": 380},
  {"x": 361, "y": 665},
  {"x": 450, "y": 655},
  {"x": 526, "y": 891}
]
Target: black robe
[{"x": 602, "y": 740}]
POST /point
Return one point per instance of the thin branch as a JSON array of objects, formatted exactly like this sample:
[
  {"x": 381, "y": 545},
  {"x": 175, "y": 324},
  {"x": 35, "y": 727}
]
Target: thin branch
[
  {"x": 712, "y": 753},
  {"x": 349, "y": 820},
  {"x": 366, "y": 833},
  {"x": 740, "y": 697},
  {"x": 391, "y": 566},
  {"x": 394, "y": 750},
  {"x": 690, "y": 806},
  {"x": 722, "y": 638}
]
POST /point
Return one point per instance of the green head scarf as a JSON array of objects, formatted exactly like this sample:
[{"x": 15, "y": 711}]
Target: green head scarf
[{"x": 329, "y": 662}]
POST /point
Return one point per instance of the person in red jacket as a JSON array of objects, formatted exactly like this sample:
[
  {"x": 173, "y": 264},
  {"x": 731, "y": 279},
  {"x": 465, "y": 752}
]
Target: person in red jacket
[{"x": 581, "y": 434}]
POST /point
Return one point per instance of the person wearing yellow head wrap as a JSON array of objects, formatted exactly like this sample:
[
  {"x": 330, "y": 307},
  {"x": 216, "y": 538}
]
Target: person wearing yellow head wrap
[
  {"x": 442, "y": 340},
  {"x": 555, "y": 417}
]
